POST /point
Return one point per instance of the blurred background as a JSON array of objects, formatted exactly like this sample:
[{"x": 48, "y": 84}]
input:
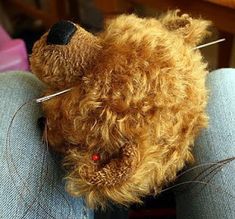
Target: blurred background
[
  {"x": 29, "y": 19},
  {"x": 22, "y": 22}
]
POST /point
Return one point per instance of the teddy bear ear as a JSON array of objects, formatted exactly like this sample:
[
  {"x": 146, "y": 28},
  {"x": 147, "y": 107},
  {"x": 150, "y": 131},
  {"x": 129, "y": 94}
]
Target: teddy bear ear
[{"x": 192, "y": 30}]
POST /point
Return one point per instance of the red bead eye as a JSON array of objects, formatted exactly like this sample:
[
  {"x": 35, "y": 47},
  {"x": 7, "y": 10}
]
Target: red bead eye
[{"x": 95, "y": 157}]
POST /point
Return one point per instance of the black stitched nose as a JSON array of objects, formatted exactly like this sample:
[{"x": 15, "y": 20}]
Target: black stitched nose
[{"x": 61, "y": 33}]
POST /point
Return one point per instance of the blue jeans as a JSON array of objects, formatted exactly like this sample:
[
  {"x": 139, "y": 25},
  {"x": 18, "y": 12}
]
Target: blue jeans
[
  {"x": 31, "y": 184},
  {"x": 216, "y": 198},
  {"x": 31, "y": 180}
]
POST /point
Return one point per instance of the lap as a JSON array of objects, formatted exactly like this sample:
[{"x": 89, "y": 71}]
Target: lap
[
  {"x": 31, "y": 180},
  {"x": 215, "y": 199}
]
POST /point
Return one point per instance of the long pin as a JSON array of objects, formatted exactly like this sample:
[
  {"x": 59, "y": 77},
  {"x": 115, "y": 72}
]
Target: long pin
[
  {"x": 208, "y": 44},
  {"x": 42, "y": 99}
]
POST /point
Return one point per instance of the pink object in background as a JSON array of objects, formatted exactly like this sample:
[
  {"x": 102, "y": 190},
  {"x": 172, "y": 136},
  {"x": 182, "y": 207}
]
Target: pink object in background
[{"x": 13, "y": 54}]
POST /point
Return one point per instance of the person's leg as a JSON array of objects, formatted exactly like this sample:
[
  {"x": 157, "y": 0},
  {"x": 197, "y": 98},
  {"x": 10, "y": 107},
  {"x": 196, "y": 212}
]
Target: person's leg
[
  {"x": 30, "y": 180},
  {"x": 217, "y": 199}
]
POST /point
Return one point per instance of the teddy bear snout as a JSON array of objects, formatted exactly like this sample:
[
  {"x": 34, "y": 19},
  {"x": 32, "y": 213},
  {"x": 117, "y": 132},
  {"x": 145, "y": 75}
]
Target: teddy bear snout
[{"x": 61, "y": 33}]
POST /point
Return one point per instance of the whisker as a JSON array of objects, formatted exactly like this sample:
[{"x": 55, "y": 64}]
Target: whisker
[
  {"x": 212, "y": 164},
  {"x": 197, "y": 182},
  {"x": 216, "y": 170},
  {"x": 9, "y": 155},
  {"x": 40, "y": 189},
  {"x": 217, "y": 166},
  {"x": 45, "y": 138},
  {"x": 182, "y": 183},
  {"x": 197, "y": 167}
]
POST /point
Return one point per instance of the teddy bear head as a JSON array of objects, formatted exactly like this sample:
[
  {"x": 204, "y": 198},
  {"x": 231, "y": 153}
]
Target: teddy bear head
[{"x": 137, "y": 102}]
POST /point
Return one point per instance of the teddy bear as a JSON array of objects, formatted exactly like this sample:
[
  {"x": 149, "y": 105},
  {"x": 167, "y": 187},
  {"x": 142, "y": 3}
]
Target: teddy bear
[{"x": 136, "y": 103}]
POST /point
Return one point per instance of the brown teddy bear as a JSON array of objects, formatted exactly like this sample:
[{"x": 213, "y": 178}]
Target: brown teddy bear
[{"x": 137, "y": 103}]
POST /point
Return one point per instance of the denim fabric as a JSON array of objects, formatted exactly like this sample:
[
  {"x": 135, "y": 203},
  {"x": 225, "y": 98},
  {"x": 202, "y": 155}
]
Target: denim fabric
[
  {"x": 216, "y": 199},
  {"x": 31, "y": 184}
]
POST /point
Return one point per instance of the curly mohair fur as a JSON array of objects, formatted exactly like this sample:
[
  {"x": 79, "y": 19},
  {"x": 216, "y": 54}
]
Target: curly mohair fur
[{"x": 138, "y": 100}]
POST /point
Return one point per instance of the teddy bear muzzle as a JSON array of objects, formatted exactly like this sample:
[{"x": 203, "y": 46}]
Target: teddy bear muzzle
[{"x": 61, "y": 33}]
